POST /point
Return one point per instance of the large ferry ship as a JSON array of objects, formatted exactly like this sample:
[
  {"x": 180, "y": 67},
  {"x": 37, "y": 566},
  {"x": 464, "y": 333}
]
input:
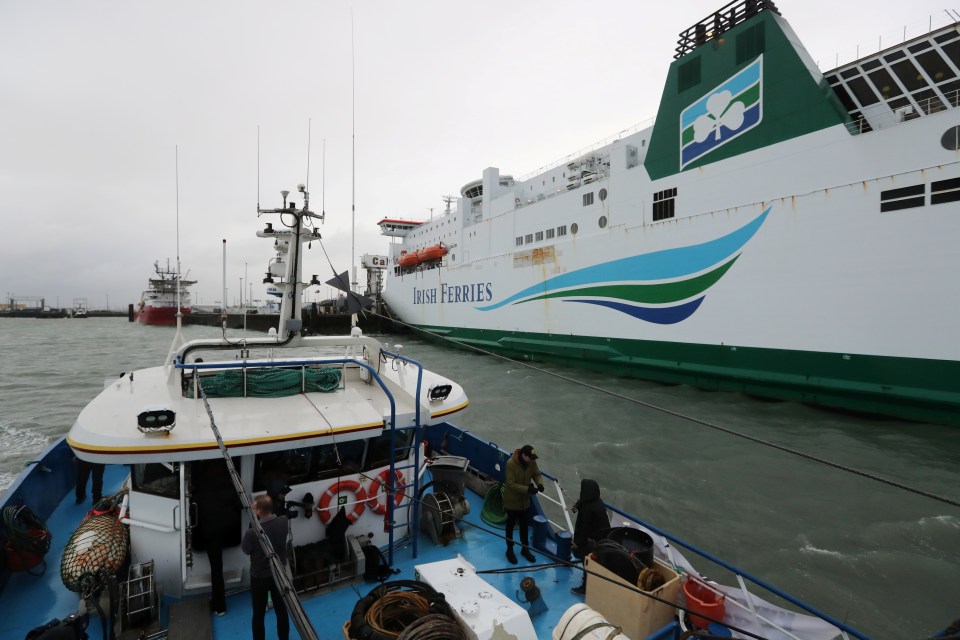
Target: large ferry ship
[
  {"x": 160, "y": 300},
  {"x": 778, "y": 231}
]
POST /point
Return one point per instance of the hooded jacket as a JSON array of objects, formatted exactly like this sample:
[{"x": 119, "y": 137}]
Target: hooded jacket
[
  {"x": 516, "y": 496},
  {"x": 592, "y": 517}
]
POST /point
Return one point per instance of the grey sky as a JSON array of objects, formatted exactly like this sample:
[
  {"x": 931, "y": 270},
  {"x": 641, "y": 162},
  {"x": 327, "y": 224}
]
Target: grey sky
[{"x": 94, "y": 97}]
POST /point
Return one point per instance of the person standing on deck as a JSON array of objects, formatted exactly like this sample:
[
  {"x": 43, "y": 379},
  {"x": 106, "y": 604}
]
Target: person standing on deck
[
  {"x": 218, "y": 524},
  {"x": 261, "y": 578},
  {"x": 84, "y": 471},
  {"x": 592, "y": 520},
  {"x": 523, "y": 480}
]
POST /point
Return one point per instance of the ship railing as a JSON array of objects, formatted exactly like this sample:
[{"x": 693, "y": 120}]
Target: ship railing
[
  {"x": 620, "y": 135},
  {"x": 742, "y": 577},
  {"x": 925, "y": 107},
  {"x": 559, "y": 501}
]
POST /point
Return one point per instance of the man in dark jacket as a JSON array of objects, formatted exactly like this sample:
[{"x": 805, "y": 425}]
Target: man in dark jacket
[
  {"x": 218, "y": 524},
  {"x": 523, "y": 480},
  {"x": 261, "y": 578},
  {"x": 592, "y": 519}
]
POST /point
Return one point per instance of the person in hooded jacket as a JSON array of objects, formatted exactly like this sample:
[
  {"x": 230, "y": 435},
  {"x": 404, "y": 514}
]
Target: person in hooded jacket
[
  {"x": 523, "y": 480},
  {"x": 592, "y": 520}
]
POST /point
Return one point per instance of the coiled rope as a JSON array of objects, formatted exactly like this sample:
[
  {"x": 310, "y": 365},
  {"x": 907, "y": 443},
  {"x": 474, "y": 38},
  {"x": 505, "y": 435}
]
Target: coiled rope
[
  {"x": 269, "y": 383},
  {"x": 404, "y": 609},
  {"x": 682, "y": 416},
  {"x": 493, "y": 512},
  {"x": 28, "y": 540}
]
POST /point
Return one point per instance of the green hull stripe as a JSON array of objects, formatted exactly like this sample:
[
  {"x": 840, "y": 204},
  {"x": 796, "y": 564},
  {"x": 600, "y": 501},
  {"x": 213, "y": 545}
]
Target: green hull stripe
[
  {"x": 647, "y": 293},
  {"x": 911, "y": 388}
]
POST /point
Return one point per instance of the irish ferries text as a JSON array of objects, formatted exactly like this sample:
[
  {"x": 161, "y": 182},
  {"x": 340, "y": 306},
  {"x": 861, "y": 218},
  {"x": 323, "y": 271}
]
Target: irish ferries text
[{"x": 480, "y": 292}]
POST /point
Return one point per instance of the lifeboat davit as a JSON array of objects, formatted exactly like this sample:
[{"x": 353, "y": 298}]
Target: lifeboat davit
[
  {"x": 408, "y": 259},
  {"x": 430, "y": 254}
]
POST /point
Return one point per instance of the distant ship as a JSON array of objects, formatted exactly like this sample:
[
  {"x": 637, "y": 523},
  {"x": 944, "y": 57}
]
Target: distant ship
[
  {"x": 777, "y": 231},
  {"x": 158, "y": 303}
]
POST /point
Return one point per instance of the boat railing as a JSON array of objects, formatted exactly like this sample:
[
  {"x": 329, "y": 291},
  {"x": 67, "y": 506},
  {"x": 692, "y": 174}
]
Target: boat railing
[
  {"x": 559, "y": 501},
  {"x": 742, "y": 577},
  {"x": 925, "y": 107},
  {"x": 247, "y": 366}
]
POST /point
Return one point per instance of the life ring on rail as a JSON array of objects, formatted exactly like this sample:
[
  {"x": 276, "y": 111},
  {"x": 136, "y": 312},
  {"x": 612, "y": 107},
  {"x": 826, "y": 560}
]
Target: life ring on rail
[
  {"x": 380, "y": 482},
  {"x": 327, "y": 513}
]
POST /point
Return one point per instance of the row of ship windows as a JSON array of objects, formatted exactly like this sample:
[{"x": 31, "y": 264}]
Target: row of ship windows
[
  {"x": 663, "y": 208},
  {"x": 916, "y": 195}
]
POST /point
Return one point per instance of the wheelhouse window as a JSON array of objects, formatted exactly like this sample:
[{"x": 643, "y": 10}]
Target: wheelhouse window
[
  {"x": 378, "y": 453},
  {"x": 157, "y": 479}
]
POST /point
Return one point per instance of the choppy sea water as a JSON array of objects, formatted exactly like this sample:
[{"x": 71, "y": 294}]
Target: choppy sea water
[{"x": 880, "y": 558}]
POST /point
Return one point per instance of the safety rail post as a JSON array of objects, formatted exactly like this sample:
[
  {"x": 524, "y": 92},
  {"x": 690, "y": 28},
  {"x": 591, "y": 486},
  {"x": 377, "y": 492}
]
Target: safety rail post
[{"x": 391, "y": 481}]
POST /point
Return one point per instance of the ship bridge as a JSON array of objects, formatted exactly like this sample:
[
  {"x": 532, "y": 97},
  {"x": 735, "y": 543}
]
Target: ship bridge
[
  {"x": 908, "y": 81},
  {"x": 397, "y": 228}
]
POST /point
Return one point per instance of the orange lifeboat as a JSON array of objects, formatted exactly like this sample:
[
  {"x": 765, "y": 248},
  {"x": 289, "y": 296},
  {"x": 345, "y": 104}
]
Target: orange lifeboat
[
  {"x": 430, "y": 254},
  {"x": 408, "y": 259}
]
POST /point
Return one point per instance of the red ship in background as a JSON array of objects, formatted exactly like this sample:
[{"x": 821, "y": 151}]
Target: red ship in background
[{"x": 158, "y": 303}]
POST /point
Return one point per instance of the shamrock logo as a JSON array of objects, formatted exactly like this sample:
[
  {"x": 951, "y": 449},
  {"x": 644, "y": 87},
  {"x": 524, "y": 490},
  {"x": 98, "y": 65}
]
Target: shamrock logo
[{"x": 721, "y": 111}]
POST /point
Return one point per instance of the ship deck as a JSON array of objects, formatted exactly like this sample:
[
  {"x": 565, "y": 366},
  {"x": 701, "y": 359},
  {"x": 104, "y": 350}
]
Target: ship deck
[{"x": 29, "y": 601}]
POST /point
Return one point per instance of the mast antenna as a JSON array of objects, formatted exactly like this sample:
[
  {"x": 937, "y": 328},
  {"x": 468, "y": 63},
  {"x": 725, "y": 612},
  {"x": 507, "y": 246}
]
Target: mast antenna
[
  {"x": 258, "y": 170},
  {"x": 308, "y": 153},
  {"x": 353, "y": 159}
]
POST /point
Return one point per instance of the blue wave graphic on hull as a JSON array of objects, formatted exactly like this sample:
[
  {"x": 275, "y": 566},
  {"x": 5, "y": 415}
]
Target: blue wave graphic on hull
[
  {"x": 657, "y": 315},
  {"x": 667, "y": 264}
]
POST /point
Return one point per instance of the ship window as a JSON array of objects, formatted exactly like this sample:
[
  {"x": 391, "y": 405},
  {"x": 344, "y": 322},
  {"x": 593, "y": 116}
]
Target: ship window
[
  {"x": 845, "y": 98},
  {"x": 946, "y": 190},
  {"x": 562, "y": 230},
  {"x": 528, "y": 238},
  {"x": 863, "y": 92},
  {"x": 902, "y": 198},
  {"x": 952, "y": 51},
  {"x": 663, "y": 204},
  {"x": 349, "y": 454},
  {"x": 935, "y": 66},
  {"x": 884, "y": 82},
  {"x": 871, "y": 64},
  {"x": 850, "y": 73},
  {"x": 947, "y": 37},
  {"x": 588, "y": 199},
  {"x": 603, "y": 194},
  {"x": 909, "y": 75},
  {"x": 750, "y": 43},
  {"x": 275, "y": 469},
  {"x": 156, "y": 479},
  {"x": 920, "y": 46},
  {"x": 574, "y": 228},
  {"x": 550, "y": 233},
  {"x": 539, "y": 236},
  {"x": 688, "y": 75},
  {"x": 951, "y": 91},
  {"x": 893, "y": 57},
  {"x": 378, "y": 453},
  {"x": 602, "y": 222},
  {"x": 519, "y": 241}
]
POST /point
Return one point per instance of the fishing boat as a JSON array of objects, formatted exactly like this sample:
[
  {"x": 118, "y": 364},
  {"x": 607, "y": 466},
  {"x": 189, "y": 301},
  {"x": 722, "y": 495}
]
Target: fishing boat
[
  {"x": 165, "y": 294},
  {"x": 393, "y": 510},
  {"x": 775, "y": 231}
]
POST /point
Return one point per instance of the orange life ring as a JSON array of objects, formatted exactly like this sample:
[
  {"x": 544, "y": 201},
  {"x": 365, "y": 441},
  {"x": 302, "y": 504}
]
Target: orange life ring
[
  {"x": 327, "y": 513},
  {"x": 373, "y": 500}
]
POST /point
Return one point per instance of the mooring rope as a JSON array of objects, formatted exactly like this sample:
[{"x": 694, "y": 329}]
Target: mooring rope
[
  {"x": 289, "y": 594},
  {"x": 689, "y": 418}
]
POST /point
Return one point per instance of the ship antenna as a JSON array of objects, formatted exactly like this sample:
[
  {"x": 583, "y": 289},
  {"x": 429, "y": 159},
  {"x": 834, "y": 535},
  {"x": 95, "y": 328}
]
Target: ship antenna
[
  {"x": 308, "y": 153},
  {"x": 178, "y": 336},
  {"x": 258, "y": 170},
  {"x": 323, "y": 182},
  {"x": 353, "y": 162}
]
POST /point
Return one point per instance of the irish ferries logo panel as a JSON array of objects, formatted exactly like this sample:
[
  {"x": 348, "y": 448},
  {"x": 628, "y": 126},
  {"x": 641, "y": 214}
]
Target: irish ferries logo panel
[
  {"x": 726, "y": 112},
  {"x": 661, "y": 287}
]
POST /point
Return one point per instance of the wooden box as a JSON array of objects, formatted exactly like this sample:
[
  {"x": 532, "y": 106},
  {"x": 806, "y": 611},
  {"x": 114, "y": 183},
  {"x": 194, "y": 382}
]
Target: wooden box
[{"x": 636, "y": 614}]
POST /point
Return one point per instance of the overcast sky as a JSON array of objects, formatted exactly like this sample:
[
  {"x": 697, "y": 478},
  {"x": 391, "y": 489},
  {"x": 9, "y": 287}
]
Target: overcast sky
[{"x": 95, "y": 96}]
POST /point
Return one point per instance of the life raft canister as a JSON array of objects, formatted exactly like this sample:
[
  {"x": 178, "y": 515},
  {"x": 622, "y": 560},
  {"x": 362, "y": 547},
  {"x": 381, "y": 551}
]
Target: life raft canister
[
  {"x": 380, "y": 482},
  {"x": 327, "y": 513}
]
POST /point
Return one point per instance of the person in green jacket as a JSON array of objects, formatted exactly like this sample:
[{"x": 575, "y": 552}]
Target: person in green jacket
[{"x": 523, "y": 480}]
